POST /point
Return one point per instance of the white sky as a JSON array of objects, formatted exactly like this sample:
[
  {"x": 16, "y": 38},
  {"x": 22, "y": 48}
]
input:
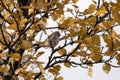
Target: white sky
[{"x": 79, "y": 73}]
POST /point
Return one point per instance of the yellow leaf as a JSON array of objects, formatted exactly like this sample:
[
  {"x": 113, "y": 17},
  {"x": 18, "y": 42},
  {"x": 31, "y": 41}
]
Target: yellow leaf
[
  {"x": 96, "y": 40},
  {"x": 26, "y": 44},
  {"x": 29, "y": 76},
  {"x": 16, "y": 56},
  {"x": 94, "y": 1},
  {"x": 88, "y": 40},
  {"x": 62, "y": 51},
  {"x": 17, "y": 71},
  {"x": 40, "y": 5},
  {"x": 76, "y": 54},
  {"x": 39, "y": 54},
  {"x": 26, "y": 56},
  {"x": 91, "y": 8},
  {"x": 1, "y": 7},
  {"x": 118, "y": 62},
  {"x": 80, "y": 22},
  {"x": 2, "y": 47},
  {"x": 42, "y": 69},
  {"x": 6, "y": 69},
  {"x": 107, "y": 39},
  {"x": 12, "y": 26},
  {"x": 66, "y": 1},
  {"x": 42, "y": 25},
  {"x": 40, "y": 62},
  {"x": 115, "y": 35},
  {"x": 118, "y": 57},
  {"x": 57, "y": 67},
  {"x": 116, "y": 43},
  {"x": 59, "y": 78},
  {"x": 66, "y": 64},
  {"x": 93, "y": 49},
  {"x": 83, "y": 53},
  {"x": 97, "y": 57},
  {"x": 10, "y": 20},
  {"x": 74, "y": 1},
  {"x": 91, "y": 21},
  {"x": 106, "y": 68},
  {"x": 90, "y": 65},
  {"x": 53, "y": 71},
  {"x": 6, "y": 14},
  {"x": 110, "y": 52},
  {"x": 23, "y": 21},
  {"x": 23, "y": 71},
  {"x": 16, "y": 15},
  {"x": 57, "y": 14},
  {"x": 109, "y": 24},
  {"x": 31, "y": 11},
  {"x": 76, "y": 6},
  {"x": 11, "y": 6},
  {"x": 1, "y": 68},
  {"x": 92, "y": 55},
  {"x": 83, "y": 31},
  {"x": 4, "y": 54},
  {"x": 101, "y": 11},
  {"x": 27, "y": 64},
  {"x": 70, "y": 10},
  {"x": 90, "y": 72},
  {"x": 73, "y": 32},
  {"x": 68, "y": 22},
  {"x": 26, "y": 7},
  {"x": 82, "y": 46}
]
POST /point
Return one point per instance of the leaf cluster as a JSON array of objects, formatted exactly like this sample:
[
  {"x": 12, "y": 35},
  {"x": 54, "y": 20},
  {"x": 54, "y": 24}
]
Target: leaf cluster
[{"x": 83, "y": 35}]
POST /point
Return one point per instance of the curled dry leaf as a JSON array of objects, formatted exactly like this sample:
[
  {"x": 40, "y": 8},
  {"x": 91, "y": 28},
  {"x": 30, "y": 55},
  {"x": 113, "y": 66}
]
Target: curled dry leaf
[
  {"x": 106, "y": 68},
  {"x": 16, "y": 56},
  {"x": 90, "y": 72},
  {"x": 66, "y": 64}
]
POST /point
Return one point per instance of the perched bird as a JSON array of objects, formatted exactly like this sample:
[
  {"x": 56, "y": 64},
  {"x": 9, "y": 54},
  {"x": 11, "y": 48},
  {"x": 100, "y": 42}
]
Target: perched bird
[{"x": 52, "y": 40}]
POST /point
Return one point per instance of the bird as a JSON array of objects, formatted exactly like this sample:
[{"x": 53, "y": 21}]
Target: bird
[{"x": 52, "y": 40}]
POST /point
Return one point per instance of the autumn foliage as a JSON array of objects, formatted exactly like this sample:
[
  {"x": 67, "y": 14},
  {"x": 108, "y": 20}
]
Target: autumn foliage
[{"x": 88, "y": 36}]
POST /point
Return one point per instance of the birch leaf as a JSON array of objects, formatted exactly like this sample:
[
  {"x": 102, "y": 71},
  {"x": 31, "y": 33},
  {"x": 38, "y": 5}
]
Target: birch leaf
[
  {"x": 74, "y": 1},
  {"x": 90, "y": 72},
  {"x": 106, "y": 68},
  {"x": 16, "y": 56},
  {"x": 23, "y": 21},
  {"x": 62, "y": 51}
]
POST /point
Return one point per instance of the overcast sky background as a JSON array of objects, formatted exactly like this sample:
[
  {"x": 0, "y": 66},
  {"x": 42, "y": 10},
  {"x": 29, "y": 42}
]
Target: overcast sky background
[{"x": 79, "y": 73}]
